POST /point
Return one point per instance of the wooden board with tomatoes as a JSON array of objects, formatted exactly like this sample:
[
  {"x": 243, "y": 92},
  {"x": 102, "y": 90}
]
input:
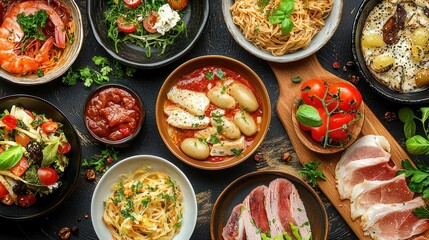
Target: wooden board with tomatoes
[{"x": 307, "y": 69}]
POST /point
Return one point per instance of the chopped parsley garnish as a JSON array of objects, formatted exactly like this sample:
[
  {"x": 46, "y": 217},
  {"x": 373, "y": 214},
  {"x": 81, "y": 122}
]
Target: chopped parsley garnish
[
  {"x": 214, "y": 139},
  {"x": 236, "y": 152},
  {"x": 209, "y": 75},
  {"x": 220, "y": 74},
  {"x": 32, "y": 24},
  {"x": 146, "y": 201}
]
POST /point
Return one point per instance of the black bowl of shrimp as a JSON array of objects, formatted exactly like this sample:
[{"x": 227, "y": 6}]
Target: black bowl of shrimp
[
  {"x": 31, "y": 56},
  {"x": 147, "y": 34},
  {"x": 40, "y": 157}
]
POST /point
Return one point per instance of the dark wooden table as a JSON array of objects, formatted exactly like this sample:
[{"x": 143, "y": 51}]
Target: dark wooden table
[{"x": 207, "y": 184}]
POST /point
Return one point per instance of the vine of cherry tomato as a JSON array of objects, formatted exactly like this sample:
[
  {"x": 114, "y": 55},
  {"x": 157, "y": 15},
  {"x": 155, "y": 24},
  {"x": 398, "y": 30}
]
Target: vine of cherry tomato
[{"x": 337, "y": 105}]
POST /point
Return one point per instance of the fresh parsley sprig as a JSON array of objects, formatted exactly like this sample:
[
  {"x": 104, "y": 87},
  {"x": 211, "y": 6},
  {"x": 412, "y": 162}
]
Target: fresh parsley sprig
[
  {"x": 100, "y": 161},
  {"x": 422, "y": 212},
  {"x": 419, "y": 177},
  {"x": 282, "y": 15},
  {"x": 310, "y": 171}
]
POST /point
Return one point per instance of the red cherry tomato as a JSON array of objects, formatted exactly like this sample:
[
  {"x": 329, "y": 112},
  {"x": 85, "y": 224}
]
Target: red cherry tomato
[
  {"x": 9, "y": 121},
  {"x": 64, "y": 148},
  {"x": 49, "y": 126},
  {"x": 3, "y": 191},
  {"x": 149, "y": 22},
  {"x": 339, "y": 126},
  {"x": 47, "y": 175},
  {"x": 126, "y": 27},
  {"x": 26, "y": 200},
  {"x": 345, "y": 95},
  {"x": 178, "y": 4},
  {"x": 20, "y": 168},
  {"x": 132, "y": 3},
  {"x": 22, "y": 138},
  {"x": 312, "y": 91}
]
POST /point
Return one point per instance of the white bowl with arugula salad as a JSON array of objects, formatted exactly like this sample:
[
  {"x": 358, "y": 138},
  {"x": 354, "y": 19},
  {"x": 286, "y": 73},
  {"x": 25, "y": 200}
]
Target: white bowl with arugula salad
[
  {"x": 39, "y": 157},
  {"x": 147, "y": 34}
]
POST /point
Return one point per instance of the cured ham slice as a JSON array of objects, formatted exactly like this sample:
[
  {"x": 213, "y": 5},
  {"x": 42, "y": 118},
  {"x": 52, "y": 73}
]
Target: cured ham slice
[
  {"x": 367, "y": 193},
  {"x": 394, "y": 221},
  {"x": 234, "y": 228},
  {"x": 359, "y": 170},
  {"x": 285, "y": 207},
  {"x": 254, "y": 214}
]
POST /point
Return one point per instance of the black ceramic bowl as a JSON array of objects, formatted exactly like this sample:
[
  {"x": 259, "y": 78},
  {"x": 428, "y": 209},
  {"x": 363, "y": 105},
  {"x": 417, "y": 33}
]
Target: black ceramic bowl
[
  {"x": 139, "y": 102},
  {"x": 69, "y": 180},
  {"x": 129, "y": 54},
  {"x": 414, "y": 97}
]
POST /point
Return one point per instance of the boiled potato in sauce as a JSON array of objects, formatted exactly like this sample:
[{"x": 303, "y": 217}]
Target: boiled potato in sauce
[
  {"x": 234, "y": 111},
  {"x": 395, "y": 44}
]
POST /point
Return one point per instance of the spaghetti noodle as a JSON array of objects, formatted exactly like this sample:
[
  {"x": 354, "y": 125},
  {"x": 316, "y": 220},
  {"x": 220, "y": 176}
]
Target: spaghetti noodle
[
  {"x": 253, "y": 20},
  {"x": 144, "y": 205}
]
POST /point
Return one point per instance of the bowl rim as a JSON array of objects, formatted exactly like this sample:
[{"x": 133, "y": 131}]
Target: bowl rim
[
  {"x": 289, "y": 57},
  {"x": 161, "y": 98},
  {"x": 139, "y": 101},
  {"x": 67, "y": 64},
  {"x": 141, "y": 158},
  {"x": 376, "y": 85},
  {"x": 148, "y": 65},
  {"x": 76, "y": 175},
  {"x": 281, "y": 174}
]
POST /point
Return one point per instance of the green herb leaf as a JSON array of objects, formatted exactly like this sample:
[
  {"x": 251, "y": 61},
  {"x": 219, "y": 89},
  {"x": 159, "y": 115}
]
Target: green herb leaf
[
  {"x": 297, "y": 79},
  {"x": 417, "y": 145},
  {"x": 10, "y": 157},
  {"x": 100, "y": 61},
  {"x": 409, "y": 129},
  {"x": 220, "y": 74},
  {"x": 425, "y": 114},
  {"x": 311, "y": 172},
  {"x": 309, "y": 116},
  {"x": 422, "y": 212},
  {"x": 282, "y": 15},
  {"x": 50, "y": 152},
  {"x": 405, "y": 114},
  {"x": 287, "y": 26},
  {"x": 418, "y": 178},
  {"x": 236, "y": 152},
  {"x": 209, "y": 75},
  {"x": 32, "y": 24}
]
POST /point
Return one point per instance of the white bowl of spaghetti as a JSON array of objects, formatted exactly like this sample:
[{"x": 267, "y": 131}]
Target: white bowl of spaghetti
[
  {"x": 144, "y": 195},
  {"x": 314, "y": 23},
  {"x": 30, "y": 55}
]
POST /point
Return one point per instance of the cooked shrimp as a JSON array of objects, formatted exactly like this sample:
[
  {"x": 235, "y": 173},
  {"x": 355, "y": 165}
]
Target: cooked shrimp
[{"x": 11, "y": 34}]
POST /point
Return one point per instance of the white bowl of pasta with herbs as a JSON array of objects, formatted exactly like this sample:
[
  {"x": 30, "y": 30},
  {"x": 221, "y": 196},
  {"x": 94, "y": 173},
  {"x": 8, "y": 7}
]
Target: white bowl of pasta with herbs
[
  {"x": 144, "y": 197},
  {"x": 282, "y": 30}
]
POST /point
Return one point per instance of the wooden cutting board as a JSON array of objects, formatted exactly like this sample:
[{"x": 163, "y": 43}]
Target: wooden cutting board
[{"x": 307, "y": 69}]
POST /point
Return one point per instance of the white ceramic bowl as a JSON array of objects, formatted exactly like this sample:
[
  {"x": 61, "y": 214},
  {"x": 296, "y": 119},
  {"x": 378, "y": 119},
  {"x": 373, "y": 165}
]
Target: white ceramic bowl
[
  {"x": 128, "y": 166},
  {"x": 318, "y": 41}
]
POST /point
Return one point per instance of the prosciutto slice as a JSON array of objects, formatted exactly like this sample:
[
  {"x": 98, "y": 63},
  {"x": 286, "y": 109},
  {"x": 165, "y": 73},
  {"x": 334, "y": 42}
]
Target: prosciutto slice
[
  {"x": 234, "y": 228},
  {"x": 394, "y": 221},
  {"x": 367, "y": 193},
  {"x": 254, "y": 214},
  {"x": 285, "y": 207}
]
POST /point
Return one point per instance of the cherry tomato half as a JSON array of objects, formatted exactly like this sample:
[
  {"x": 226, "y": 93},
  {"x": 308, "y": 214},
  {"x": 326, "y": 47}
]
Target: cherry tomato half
[
  {"x": 339, "y": 126},
  {"x": 178, "y": 4},
  {"x": 47, "y": 175},
  {"x": 132, "y": 3},
  {"x": 9, "y": 121},
  {"x": 20, "y": 168},
  {"x": 22, "y": 138},
  {"x": 26, "y": 200},
  {"x": 64, "y": 148},
  {"x": 149, "y": 22},
  {"x": 49, "y": 126},
  {"x": 346, "y": 96},
  {"x": 126, "y": 27},
  {"x": 3, "y": 190},
  {"x": 312, "y": 91}
]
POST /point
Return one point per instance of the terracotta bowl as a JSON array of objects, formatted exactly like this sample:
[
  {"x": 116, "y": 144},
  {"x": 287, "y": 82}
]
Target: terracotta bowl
[
  {"x": 231, "y": 64},
  {"x": 70, "y": 54},
  {"x": 310, "y": 143},
  {"x": 237, "y": 191}
]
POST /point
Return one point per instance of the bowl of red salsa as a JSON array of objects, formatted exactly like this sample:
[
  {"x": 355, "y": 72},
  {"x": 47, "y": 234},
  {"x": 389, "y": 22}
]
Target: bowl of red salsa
[
  {"x": 114, "y": 114},
  {"x": 213, "y": 112}
]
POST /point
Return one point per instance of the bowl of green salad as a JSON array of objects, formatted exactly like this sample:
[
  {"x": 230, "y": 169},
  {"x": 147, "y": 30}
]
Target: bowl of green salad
[{"x": 147, "y": 34}]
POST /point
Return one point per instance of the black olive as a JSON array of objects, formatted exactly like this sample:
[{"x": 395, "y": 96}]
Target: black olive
[
  {"x": 426, "y": 11},
  {"x": 35, "y": 151},
  {"x": 20, "y": 188}
]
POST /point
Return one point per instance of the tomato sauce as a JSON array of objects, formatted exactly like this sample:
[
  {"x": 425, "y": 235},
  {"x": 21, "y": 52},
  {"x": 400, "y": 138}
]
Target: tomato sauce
[
  {"x": 113, "y": 114},
  {"x": 201, "y": 80}
]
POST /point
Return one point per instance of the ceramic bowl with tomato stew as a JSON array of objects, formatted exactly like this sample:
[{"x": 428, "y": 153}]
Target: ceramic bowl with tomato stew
[
  {"x": 328, "y": 115},
  {"x": 137, "y": 32},
  {"x": 114, "y": 114},
  {"x": 65, "y": 181},
  {"x": 213, "y": 112}
]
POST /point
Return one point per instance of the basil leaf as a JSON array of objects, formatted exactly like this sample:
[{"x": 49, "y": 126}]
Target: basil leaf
[
  {"x": 288, "y": 6},
  {"x": 309, "y": 116},
  {"x": 50, "y": 153},
  {"x": 417, "y": 145},
  {"x": 425, "y": 114},
  {"x": 10, "y": 157},
  {"x": 276, "y": 19},
  {"x": 287, "y": 26},
  {"x": 409, "y": 129},
  {"x": 406, "y": 114}
]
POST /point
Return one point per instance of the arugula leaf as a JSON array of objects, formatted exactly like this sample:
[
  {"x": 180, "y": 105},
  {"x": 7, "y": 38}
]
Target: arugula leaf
[{"x": 310, "y": 171}]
